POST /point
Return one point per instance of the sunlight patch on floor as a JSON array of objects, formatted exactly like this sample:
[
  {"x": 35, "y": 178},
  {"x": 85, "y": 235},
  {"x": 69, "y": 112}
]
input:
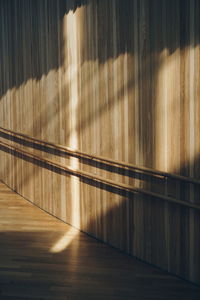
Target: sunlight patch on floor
[{"x": 64, "y": 241}]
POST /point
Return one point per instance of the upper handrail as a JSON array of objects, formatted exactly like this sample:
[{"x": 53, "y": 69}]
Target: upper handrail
[{"x": 102, "y": 159}]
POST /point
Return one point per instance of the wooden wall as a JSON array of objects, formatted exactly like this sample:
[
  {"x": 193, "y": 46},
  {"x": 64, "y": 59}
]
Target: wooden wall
[{"x": 113, "y": 78}]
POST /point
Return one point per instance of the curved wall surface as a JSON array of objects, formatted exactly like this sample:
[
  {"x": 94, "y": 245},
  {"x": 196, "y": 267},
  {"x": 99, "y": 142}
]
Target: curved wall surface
[{"x": 113, "y": 78}]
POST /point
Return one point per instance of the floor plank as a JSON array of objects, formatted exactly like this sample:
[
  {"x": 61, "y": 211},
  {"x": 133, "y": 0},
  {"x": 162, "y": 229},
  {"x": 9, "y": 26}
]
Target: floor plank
[{"x": 43, "y": 258}]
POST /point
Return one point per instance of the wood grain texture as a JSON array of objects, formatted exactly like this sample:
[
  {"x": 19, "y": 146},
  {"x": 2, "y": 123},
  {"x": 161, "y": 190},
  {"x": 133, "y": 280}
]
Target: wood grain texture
[
  {"x": 119, "y": 79},
  {"x": 43, "y": 258}
]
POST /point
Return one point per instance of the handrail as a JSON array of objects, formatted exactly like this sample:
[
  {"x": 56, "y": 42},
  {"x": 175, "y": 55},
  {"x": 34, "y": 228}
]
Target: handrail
[
  {"x": 103, "y": 159},
  {"x": 100, "y": 179}
]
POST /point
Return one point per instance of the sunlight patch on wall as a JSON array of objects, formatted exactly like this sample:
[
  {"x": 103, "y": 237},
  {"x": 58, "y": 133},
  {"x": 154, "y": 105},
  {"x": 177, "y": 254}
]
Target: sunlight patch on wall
[
  {"x": 70, "y": 22},
  {"x": 171, "y": 121},
  {"x": 167, "y": 112},
  {"x": 161, "y": 112}
]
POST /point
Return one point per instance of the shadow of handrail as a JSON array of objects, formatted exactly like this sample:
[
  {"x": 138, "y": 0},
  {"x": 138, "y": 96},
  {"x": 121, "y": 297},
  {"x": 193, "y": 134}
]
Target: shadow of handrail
[{"x": 89, "y": 178}]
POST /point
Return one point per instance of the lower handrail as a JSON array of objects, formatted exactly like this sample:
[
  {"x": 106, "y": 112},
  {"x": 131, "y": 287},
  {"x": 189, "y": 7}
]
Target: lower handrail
[{"x": 101, "y": 179}]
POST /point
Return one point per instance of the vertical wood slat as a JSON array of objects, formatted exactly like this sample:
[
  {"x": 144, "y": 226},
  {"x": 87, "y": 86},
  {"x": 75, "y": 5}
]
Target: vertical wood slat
[{"x": 132, "y": 67}]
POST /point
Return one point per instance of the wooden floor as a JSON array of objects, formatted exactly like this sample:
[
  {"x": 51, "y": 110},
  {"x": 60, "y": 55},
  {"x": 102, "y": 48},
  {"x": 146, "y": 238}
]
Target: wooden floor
[{"x": 43, "y": 258}]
